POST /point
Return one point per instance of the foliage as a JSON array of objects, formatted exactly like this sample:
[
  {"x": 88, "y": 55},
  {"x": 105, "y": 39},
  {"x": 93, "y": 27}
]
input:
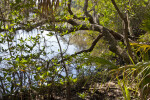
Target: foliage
[
  {"x": 143, "y": 49},
  {"x": 34, "y": 61},
  {"x": 138, "y": 77}
]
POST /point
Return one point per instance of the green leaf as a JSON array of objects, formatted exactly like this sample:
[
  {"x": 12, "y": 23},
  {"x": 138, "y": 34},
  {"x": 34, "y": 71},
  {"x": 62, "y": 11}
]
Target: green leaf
[
  {"x": 75, "y": 80},
  {"x": 39, "y": 68},
  {"x": 9, "y": 79},
  {"x": 127, "y": 93},
  {"x": 24, "y": 61},
  {"x": 61, "y": 82},
  {"x": 6, "y": 27}
]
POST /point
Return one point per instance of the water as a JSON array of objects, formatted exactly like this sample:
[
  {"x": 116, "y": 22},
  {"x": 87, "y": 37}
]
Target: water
[
  {"x": 52, "y": 51},
  {"x": 49, "y": 42}
]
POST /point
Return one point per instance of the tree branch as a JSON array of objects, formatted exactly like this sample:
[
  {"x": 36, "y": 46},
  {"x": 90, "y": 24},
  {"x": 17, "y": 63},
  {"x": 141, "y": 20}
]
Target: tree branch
[
  {"x": 31, "y": 27},
  {"x": 125, "y": 31},
  {"x": 86, "y": 12},
  {"x": 71, "y": 13},
  {"x": 25, "y": 26},
  {"x": 86, "y": 50},
  {"x": 116, "y": 7}
]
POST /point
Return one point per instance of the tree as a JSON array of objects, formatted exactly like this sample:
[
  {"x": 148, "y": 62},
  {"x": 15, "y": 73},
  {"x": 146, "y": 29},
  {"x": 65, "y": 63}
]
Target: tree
[{"x": 112, "y": 20}]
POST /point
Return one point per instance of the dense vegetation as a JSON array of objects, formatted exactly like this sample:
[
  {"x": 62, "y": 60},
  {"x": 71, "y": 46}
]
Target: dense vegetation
[{"x": 113, "y": 49}]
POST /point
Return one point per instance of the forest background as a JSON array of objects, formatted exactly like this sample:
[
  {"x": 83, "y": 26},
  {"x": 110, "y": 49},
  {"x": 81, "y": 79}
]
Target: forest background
[{"x": 112, "y": 44}]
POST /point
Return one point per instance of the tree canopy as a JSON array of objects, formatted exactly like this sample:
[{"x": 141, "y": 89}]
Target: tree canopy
[{"x": 111, "y": 35}]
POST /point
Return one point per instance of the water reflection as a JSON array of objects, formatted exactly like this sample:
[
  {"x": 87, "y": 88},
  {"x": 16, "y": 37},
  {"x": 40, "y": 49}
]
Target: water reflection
[
  {"x": 43, "y": 41},
  {"x": 26, "y": 39}
]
